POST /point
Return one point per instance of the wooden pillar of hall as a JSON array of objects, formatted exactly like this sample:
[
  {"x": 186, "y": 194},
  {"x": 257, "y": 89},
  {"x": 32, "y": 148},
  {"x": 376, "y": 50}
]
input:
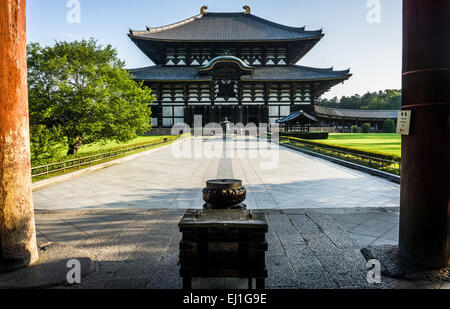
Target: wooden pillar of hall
[
  {"x": 425, "y": 174},
  {"x": 17, "y": 231}
]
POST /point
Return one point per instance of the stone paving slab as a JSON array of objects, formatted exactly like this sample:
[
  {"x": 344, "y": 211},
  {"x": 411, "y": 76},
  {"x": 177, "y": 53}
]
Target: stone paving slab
[
  {"x": 139, "y": 249},
  {"x": 51, "y": 268},
  {"x": 371, "y": 227}
]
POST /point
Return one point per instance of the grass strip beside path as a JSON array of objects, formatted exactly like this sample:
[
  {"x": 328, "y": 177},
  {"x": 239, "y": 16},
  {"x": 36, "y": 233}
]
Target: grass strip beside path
[
  {"x": 109, "y": 154},
  {"x": 387, "y": 143},
  {"x": 374, "y": 159}
]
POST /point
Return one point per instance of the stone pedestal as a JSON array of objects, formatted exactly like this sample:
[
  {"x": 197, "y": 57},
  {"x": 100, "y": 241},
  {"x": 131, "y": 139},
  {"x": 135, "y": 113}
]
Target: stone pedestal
[{"x": 223, "y": 239}]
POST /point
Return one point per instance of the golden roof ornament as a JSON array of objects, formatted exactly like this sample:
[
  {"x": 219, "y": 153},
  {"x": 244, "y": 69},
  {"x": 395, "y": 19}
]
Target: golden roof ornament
[
  {"x": 247, "y": 9},
  {"x": 203, "y": 10}
]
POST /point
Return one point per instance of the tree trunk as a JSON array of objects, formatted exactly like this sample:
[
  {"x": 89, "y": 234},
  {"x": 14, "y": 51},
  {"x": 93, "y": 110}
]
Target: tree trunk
[{"x": 75, "y": 145}]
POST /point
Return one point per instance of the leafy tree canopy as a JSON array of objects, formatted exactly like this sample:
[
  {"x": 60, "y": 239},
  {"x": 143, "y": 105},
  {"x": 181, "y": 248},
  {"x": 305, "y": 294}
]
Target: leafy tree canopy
[
  {"x": 382, "y": 100},
  {"x": 81, "y": 91}
]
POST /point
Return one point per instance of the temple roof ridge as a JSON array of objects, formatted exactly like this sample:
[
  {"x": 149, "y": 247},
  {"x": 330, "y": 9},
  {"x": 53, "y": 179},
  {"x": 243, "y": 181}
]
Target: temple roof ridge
[{"x": 169, "y": 26}]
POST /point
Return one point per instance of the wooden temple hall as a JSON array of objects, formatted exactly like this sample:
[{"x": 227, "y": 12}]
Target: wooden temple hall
[{"x": 233, "y": 66}]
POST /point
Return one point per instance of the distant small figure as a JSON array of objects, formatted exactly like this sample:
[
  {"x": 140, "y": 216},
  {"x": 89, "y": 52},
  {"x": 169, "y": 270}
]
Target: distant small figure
[{"x": 225, "y": 127}]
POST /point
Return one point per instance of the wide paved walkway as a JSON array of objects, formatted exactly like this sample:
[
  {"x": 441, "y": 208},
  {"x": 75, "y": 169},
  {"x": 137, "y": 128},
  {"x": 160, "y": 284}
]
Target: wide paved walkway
[
  {"x": 121, "y": 222},
  {"x": 126, "y": 248},
  {"x": 275, "y": 179}
]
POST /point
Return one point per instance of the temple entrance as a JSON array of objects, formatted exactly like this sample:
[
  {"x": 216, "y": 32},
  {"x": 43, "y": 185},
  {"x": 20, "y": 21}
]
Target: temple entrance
[
  {"x": 252, "y": 114},
  {"x": 216, "y": 114},
  {"x": 193, "y": 111},
  {"x": 228, "y": 113}
]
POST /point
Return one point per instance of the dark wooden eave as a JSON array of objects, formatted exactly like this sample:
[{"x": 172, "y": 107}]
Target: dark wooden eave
[{"x": 156, "y": 50}]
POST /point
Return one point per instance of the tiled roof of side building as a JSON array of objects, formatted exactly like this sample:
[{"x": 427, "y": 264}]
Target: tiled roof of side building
[
  {"x": 355, "y": 113},
  {"x": 263, "y": 73},
  {"x": 296, "y": 72},
  {"x": 298, "y": 116},
  {"x": 225, "y": 27}
]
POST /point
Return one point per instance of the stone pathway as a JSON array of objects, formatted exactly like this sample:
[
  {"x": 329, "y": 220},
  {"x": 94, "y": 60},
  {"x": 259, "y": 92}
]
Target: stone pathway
[
  {"x": 124, "y": 218},
  {"x": 371, "y": 228},
  {"x": 159, "y": 180},
  {"x": 308, "y": 249}
]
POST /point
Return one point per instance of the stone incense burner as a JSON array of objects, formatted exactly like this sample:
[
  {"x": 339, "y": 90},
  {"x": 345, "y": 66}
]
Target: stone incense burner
[{"x": 224, "y": 194}]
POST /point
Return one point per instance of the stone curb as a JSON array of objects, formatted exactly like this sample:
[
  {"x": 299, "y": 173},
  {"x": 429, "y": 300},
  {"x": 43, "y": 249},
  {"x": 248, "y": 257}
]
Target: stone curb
[
  {"x": 362, "y": 168},
  {"x": 41, "y": 184}
]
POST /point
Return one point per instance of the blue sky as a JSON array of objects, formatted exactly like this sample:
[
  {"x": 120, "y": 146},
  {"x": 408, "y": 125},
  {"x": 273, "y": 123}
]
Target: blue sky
[{"x": 371, "y": 50}]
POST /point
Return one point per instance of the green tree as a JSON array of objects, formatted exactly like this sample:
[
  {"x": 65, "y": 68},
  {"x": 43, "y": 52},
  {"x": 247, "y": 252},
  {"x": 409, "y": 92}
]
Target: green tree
[
  {"x": 82, "y": 88},
  {"x": 366, "y": 128},
  {"x": 45, "y": 143},
  {"x": 389, "y": 126},
  {"x": 382, "y": 100}
]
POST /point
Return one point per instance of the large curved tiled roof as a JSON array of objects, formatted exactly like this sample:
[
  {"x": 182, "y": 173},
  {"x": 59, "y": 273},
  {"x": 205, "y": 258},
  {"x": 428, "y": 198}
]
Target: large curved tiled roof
[
  {"x": 225, "y": 27},
  {"x": 263, "y": 73}
]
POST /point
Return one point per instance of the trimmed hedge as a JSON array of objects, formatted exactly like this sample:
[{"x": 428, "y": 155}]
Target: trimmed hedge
[
  {"x": 389, "y": 126},
  {"x": 305, "y": 135},
  {"x": 375, "y": 154},
  {"x": 366, "y": 128},
  {"x": 36, "y": 163}
]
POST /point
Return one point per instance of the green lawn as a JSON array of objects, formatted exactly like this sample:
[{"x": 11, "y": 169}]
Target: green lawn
[
  {"x": 109, "y": 145},
  {"x": 381, "y": 142},
  {"x": 60, "y": 166}
]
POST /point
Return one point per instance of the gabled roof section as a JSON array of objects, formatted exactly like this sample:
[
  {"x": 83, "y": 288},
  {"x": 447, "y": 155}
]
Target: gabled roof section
[
  {"x": 244, "y": 68},
  {"x": 299, "y": 116},
  {"x": 225, "y": 27}
]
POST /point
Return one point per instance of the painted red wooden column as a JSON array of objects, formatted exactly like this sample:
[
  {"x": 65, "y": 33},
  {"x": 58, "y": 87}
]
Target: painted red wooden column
[
  {"x": 17, "y": 230},
  {"x": 425, "y": 184}
]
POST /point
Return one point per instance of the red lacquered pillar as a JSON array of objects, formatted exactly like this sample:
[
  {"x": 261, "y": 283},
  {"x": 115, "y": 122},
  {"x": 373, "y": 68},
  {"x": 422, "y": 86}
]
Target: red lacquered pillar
[{"x": 17, "y": 230}]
